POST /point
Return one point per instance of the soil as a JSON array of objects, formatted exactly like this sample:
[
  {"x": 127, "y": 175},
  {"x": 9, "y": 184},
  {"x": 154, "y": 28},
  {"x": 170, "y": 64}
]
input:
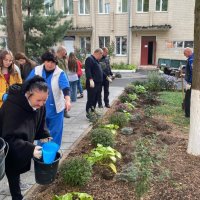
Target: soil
[{"x": 183, "y": 182}]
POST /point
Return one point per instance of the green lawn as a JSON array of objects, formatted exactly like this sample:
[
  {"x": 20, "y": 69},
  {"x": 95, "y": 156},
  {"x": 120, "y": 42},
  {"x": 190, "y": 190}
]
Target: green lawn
[{"x": 171, "y": 107}]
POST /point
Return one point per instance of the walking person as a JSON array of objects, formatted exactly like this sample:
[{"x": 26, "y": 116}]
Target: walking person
[
  {"x": 94, "y": 78},
  {"x": 58, "y": 98},
  {"x": 188, "y": 78},
  {"x": 9, "y": 74},
  {"x": 107, "y": 73},
  {"x": 79, "y": 73},
  {"x": 25, "y": 64},
  {"x": 62, "y": 59},
  {"x": 22, "y": 120},
  {"x": 73, "y": 76}
]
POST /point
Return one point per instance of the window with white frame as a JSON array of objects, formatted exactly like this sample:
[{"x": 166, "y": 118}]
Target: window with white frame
[
  {"x": 68, "y": 7},
  {"x": 142, "y": 5},
  {"x": 85, "y": 45},
  {"x": 48, "y": 7},
  {"x": 84, "y": 7},
  {"x": 122, "y": 6},
  {"x": 183, "y": 44},
  {"x": 3, "y": 8},
  {"x": 121, "y": 45},
  {"x": 104, "y": 6},
  {"x": 104, "y": 41},
  {"x": 161, "y": 5}
]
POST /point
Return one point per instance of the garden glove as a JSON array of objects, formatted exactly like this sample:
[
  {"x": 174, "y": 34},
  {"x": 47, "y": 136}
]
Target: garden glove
[
  {"x": 37, "y": 153},
  {"x": 92, "y": 83},
  {"x": 44, "y": 140},
  {"x": 109, "y": 79},
  {"x": 4, "y": 97},
  {"x": 188, "y": 86}
]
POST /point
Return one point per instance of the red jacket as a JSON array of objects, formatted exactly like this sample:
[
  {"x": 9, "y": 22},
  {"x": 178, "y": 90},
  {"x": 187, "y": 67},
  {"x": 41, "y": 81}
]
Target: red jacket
[{"x": 79, "y": 72}]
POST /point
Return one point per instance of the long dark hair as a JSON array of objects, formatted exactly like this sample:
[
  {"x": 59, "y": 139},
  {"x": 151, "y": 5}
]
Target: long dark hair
[
  {"x": 72, "y": 63},
  {"x": 3, "y": 53}
]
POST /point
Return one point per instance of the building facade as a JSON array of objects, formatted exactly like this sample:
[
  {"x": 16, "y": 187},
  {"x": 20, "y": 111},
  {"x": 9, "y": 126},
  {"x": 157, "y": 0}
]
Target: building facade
[{"x": 141, "y": 31}]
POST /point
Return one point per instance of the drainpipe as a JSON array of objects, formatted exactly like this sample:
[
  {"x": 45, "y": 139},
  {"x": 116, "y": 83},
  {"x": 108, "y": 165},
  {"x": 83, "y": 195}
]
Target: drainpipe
[{"x": 129, "y": 41}]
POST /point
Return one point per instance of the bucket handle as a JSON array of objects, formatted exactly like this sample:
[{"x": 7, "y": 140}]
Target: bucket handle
[{"x": 7, "y": 149}]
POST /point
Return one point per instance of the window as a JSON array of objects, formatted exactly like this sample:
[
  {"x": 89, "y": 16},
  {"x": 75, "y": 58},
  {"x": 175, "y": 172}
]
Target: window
[
  {"x": 104, "y": 41},
  {"x": 183, "y": 44},
  {"x": 68, "y": 7},
  {"x": 104, "y": 6},
  {"x": 84, "y": 7},
  {"x": 143, "y": 5},
  {"x": 48, "y": 7},
  {"x": 85, "y": 45},
  {"x": 121, "y": 45},
  {"x": 161, "y": 5},
  {"x": 122, "y": 6},
  {"x": 3, "y": 9}
]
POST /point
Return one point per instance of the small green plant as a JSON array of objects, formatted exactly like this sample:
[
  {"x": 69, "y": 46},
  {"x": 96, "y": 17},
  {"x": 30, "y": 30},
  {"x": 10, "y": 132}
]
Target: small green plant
[
  {"x": 93, "y": 117},
  {"x": 128, "y": 98},
  {"x": 106, "y": 156},
  {"x": 74, "y": 196},
  {"x": 118, "y": 75},
  {"x": 148, "y": 111},
  {"x": 139, "y": 89},
  {"x": 112, "y": 127},
  {"x": 119, "y": 118},
  {"x": 102, "y": 136},
  {"x": 76, "y": 171}
]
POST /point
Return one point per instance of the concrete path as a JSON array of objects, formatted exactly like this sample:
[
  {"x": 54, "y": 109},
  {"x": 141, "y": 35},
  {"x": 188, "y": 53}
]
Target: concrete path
[{"x": 74, "y": 129}]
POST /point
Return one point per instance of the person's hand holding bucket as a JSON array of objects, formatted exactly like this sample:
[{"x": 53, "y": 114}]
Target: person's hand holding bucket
[
  {"x": 37, "y": 153},
  {"x": 49, "y": 151}
]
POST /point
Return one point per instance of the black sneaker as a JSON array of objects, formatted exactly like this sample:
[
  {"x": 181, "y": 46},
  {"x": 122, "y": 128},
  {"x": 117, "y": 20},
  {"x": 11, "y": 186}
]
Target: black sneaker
[
  {"x": 100, "y": 106},
  {"x": 107, "y": 106},
  {"x": 81, "y": 96}
]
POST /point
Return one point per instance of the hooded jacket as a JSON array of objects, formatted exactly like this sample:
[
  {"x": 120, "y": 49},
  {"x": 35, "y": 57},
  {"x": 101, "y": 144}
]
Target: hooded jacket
[{"x": 20, "y": 125}]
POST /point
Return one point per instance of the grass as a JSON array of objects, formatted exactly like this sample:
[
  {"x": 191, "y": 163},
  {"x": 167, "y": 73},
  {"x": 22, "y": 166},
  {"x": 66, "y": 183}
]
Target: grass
[{"x": 171, "y": 107}]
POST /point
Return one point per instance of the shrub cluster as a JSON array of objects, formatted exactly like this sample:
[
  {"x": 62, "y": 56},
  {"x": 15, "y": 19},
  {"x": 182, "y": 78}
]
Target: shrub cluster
[
  {"x": 76, "y": 171},
  {"x": 102, "y": 136},
  {"x": 119, "y": 118}
]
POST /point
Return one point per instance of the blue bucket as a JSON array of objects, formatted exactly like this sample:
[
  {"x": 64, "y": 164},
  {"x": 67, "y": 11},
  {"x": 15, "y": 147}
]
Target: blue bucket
[{"x": 49, "y": 151}]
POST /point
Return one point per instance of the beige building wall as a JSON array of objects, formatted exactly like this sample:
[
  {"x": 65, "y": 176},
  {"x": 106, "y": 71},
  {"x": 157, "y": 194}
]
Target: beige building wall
[{"x": 180, "y": 16}]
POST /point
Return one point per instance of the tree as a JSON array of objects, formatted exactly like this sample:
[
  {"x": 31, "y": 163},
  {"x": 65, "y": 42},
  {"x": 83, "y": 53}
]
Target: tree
[
  {"x": 15, "y": 30},
  {"x": 42, "y": 31},
  {"x": 194, "y": 135}
]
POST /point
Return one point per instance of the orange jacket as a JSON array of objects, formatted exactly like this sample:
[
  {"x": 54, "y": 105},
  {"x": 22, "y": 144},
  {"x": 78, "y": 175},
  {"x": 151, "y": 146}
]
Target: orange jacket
[{"x": 14, "y": 78}]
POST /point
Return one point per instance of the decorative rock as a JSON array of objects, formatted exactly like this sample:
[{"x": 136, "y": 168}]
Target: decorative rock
[{"x": 127, "y": 131}]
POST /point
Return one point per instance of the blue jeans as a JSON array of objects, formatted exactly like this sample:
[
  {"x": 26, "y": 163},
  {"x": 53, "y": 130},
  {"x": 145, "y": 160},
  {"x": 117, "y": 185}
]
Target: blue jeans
[
  {"x": 73, "y": 90},
  {"x": 80, "y": 88}
]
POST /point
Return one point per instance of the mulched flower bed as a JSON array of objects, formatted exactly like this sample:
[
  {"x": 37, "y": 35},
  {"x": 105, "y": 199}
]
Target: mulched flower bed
[{"x": 183, "y": 182}]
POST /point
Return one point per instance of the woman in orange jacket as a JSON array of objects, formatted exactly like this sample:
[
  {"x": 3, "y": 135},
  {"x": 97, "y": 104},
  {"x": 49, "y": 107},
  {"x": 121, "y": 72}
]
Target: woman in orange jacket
[{"x": 9, "y": 73}]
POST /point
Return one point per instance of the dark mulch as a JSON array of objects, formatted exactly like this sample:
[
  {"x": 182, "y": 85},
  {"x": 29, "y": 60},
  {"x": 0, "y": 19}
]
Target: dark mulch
[{"x": 182, "y": 184}]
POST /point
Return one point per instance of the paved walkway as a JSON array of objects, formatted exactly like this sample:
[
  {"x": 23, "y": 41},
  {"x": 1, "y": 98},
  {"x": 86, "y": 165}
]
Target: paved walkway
[{"x": 74, "y": 129}]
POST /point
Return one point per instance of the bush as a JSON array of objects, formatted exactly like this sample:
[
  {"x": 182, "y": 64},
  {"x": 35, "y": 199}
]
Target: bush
[
  {"x": 102, "y": 136},
  {"x": 123, "y": 66},
  {"x": 119, "y": 119},
  {"x": 121, "y": 107},
  {"x": 76, "y": 171},
  {"x": 83, "y": 82},
  {"x": 130, "y": 89}
]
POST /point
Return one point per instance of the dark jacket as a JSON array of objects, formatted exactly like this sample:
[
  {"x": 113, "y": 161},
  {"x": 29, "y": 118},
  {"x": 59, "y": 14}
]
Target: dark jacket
[
  {"x": 189, "y": 66},
  {"x": 105, "y": 65},
  {"x": 20, "y": 125},
  {"x": 93, "y": 69}
]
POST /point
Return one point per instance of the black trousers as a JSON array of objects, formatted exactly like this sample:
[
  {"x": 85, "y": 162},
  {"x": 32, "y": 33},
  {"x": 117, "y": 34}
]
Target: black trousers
[
  {"x": 187, "y": 102},
  {"x": 14, "y": 186},
  {"x": 92, "y": 96},
  {"x": 105, "y": 87}
]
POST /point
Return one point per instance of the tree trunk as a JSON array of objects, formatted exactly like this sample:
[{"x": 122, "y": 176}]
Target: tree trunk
[
  {"x": 15, "y": 29},
  {"x": 194, "y": 135}
]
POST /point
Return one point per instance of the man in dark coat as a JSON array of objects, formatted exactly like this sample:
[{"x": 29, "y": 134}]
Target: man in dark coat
[
  {"x": 22, "y": 119},
  {"x": 107, "y": 73},
  {"x": 94, "y": 78}
]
